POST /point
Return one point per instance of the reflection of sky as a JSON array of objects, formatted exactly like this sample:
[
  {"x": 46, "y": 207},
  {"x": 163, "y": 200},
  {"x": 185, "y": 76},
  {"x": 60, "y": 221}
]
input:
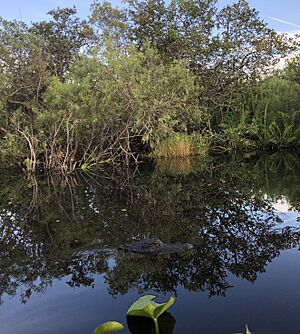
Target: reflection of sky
[
  {"x": 290, "y": 217},
  {"x": 271, "y": 305},
  {"x": 61, "y": 310},
  {"x": 282, "y": 205}
]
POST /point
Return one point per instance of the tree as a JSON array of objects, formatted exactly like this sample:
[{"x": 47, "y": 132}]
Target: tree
[
  {"x": 62, "y": 38},
  {"x": 109, "y": 22},
  {"x": 292, "y": 70},
  {"x": 227, "y": 49},
  {"x": 22, "y": 65}
]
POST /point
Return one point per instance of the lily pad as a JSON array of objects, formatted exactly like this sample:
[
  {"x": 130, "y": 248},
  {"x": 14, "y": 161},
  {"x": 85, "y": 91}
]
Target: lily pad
[
  {"x": 146, "y": 307},
  {"x": 109, "y": 327}
]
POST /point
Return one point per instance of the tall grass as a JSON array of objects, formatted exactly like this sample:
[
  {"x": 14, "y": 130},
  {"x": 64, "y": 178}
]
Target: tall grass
[{"x": 181, "y": 145}]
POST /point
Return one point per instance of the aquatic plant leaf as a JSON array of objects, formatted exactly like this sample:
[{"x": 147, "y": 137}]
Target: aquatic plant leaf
[
  {"x": 159, "y": 309},
  {"x": 146, "y": 307},
  {"x": 109, "y": 327},
  {"x": 142, "y": 307},
  {"x": 247, "y": 330}
]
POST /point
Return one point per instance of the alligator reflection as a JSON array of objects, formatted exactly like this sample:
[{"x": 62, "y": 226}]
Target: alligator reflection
[{"x": 51, "y": 228}]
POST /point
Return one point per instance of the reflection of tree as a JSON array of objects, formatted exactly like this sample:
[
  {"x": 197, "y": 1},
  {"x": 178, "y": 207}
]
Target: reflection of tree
[
  {"x": 166, "y": 273},
  {"x": 220, "y": 208},
  {"x": 204, "y": 268},
  {"x": 280, "y": 174},
  {"x": 32, "y": 267}
]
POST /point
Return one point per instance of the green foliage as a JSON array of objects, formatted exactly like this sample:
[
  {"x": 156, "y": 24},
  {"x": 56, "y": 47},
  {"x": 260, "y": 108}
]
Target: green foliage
[
  {"x": 127, "y": 97},
  {"x": 181, "y": 145},
  {"x": 146, "y": 307},
  {"x": 22, "y": 68},
  {"x": 109, "y": 327},
  {"x": 108, "y": 21},
  {"x": 215, "y": 42},
  {"x": 270, "y": 117},
  {"x": 277, "y": 112},
  {"x": 291, "y": 71},
  {"x": 62, "y": 38},
  {"x": 151, "y": 78},
  {"x": 11, "y": 149},
  {"x": 143, "y": 307},
  {"x": 239, "y": 137},
  {"x": 279, "y": 96}
]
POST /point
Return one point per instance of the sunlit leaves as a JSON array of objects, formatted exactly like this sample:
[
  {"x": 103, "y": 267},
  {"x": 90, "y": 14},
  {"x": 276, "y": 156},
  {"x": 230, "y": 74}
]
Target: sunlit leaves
[
  {"x": 109, "y": 327},
  {"x": 146, "y": 307}
]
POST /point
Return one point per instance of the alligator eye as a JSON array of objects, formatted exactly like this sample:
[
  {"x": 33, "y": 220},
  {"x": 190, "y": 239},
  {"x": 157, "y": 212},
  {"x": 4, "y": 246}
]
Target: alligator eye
[
  {"x": 152, "y": 245},
  {"x": 156, "y": 244}
]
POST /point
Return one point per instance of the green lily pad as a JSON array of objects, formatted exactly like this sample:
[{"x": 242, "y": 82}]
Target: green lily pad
[
  {"x": 109, "y": 327},
  {"x": 146, "y": 307}
]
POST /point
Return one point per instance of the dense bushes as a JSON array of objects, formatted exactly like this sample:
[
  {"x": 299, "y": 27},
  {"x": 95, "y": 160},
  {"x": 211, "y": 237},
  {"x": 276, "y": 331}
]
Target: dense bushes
[
  {"x": 105, "y": 108},
  {"x": 152, "y": 78},
  {"x": 269, "y": 118}
]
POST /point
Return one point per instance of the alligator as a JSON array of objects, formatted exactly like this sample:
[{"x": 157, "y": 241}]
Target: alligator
[{"x": 154, "y": 246}]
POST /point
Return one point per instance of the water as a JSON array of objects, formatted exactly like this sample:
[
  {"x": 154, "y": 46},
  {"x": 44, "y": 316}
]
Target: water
[{"x": 61, "y": 271}]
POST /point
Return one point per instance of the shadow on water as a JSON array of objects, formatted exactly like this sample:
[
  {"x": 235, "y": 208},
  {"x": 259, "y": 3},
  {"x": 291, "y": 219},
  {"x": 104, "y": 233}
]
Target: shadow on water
[
  {"x": 138, "y": 325},
  {"x": 52, "y": 227}
]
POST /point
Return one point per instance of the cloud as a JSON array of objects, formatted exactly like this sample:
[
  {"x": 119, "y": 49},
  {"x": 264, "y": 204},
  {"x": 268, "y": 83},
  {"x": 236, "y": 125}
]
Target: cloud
[{"x": 285, "y": 22}]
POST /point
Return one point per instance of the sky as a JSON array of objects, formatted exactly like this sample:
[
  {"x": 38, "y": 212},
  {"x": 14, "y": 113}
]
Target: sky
[{"x": 282, "y": 15}]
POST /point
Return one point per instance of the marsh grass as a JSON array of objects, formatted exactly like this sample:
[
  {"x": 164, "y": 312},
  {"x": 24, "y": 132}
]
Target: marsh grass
[{"x": 180, "y": 146}]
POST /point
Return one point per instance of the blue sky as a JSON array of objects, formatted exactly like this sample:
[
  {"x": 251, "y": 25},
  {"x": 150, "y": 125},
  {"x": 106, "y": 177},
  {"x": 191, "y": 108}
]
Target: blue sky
[{"x": 270, "y": 10}]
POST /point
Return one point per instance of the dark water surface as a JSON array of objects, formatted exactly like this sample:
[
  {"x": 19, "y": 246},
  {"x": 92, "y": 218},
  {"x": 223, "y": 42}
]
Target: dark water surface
[{"x": 61, "y": 272}]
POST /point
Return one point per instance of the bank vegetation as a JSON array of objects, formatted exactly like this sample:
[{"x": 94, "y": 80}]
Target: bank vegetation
[{"x": 152, "y": 78}]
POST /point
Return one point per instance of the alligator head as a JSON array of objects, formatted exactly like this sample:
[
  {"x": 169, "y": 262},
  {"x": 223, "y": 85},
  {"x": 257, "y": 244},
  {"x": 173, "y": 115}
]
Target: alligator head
[{"x": 154, "y": 246}]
